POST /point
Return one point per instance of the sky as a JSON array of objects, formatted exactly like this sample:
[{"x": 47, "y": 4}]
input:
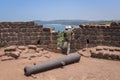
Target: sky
[{"x": 27, "y": 10}]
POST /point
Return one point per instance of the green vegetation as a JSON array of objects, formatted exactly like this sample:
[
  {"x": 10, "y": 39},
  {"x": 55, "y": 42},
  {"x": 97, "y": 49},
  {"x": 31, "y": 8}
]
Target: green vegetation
[{"x": 60, "y": 38}]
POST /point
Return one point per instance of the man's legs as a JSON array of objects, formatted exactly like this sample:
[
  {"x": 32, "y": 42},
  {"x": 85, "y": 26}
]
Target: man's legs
[
  {"x": 68, "y": 48},
  {"x": 64, "y": 47}
]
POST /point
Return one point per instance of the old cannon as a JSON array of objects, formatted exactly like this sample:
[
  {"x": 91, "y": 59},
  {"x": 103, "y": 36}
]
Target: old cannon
[{"x": 65, "y": 60}]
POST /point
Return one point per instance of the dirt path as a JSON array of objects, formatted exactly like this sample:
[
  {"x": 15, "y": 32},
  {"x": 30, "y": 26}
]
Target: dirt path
[{"x": 86, "y": 69}]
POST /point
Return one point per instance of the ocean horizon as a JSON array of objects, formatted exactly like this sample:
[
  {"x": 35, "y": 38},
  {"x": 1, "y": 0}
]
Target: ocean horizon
[{"x": 58, "y": 27}]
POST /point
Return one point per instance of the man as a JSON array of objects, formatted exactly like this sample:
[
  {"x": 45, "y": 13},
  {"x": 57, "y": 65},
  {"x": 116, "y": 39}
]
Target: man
[{"x": 68, "y": 35}]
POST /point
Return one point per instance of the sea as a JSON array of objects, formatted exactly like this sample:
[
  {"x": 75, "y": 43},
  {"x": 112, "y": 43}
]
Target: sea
[{"x": 58, "y": 27}]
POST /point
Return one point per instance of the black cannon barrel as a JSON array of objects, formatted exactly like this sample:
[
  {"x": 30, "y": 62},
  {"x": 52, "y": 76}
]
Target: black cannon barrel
[{"x": 68, "y": 59}]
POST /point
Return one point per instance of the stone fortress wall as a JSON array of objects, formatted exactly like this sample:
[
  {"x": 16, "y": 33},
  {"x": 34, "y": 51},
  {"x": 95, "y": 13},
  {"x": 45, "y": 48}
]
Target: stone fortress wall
[
  {"x": 96, "y": 35},
  {"x": 29, "y": 33},
  {"x": 26, "y": 33}
]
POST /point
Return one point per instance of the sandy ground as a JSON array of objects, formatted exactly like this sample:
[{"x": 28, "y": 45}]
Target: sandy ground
[{"x": 86, "y": 69}]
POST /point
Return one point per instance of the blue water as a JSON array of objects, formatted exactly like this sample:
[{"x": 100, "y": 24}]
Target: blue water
[{"x": 58, "y": 27}]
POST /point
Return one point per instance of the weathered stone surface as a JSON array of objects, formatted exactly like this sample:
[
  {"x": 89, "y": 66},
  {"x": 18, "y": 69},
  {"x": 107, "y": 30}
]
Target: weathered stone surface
[
  {"x": 114, "y": 24},
  {"x": 111, "y": 49},
  {"x": 22, "y": 47},
  {"x": 107, "y": 53},
  {"x": 25, "y": 51},
  {"x": 99, "y": 48},
  {"x": 117, "y": 49},
  {"x": 14, "y": 54},
  {"x": 34, "y": 47},
  {"x": 10, "y": 48},
  {"x": 39, "y": 49}
]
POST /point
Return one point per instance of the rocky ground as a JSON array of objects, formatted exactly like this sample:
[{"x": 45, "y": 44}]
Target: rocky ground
[{"x": 98, "y": 68}]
